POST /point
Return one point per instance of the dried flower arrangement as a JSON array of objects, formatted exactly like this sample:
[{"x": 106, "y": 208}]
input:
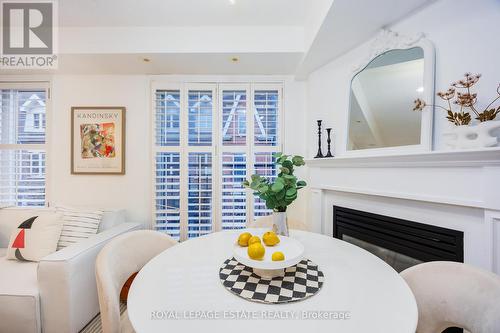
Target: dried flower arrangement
[{"x": 460, "y": 91}]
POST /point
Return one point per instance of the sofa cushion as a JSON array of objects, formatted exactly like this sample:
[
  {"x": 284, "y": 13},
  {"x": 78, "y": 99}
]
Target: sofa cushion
[
  {"x": 111, "y": 218},
  {"x": 79, "y": 224},
  {"x": 11, "y": 217},
  {"x": 35, "y": 238},
  {"x": 19, "y": 298}
]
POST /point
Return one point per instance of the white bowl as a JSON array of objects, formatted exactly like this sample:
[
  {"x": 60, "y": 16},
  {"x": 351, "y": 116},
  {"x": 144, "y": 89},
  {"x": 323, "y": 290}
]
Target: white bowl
[{"x": 291, "y": 248}]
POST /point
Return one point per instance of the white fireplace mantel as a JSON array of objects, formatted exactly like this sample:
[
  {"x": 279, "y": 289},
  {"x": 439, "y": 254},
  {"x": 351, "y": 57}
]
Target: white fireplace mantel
[
  {"x": 466, "y": 178},
  {"x": 448, "y": 158}
]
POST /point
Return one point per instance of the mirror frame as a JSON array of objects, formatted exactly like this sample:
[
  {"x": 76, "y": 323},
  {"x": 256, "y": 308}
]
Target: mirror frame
[{"x": 386, "y": 41}]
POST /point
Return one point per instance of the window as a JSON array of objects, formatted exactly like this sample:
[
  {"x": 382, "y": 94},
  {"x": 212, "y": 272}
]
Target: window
[
  {"x": 208, "y": 139},
  {"x": 22, "y": 144}
]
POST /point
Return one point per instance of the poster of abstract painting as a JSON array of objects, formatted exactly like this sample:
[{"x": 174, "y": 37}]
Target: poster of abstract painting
[
  {"x": 98, "y": 136},
  {"x": 98, "y": 140}
]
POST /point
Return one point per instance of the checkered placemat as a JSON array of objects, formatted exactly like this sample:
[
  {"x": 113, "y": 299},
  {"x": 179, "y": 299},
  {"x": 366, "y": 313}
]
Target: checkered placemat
[{"x": 299, "y": 282}]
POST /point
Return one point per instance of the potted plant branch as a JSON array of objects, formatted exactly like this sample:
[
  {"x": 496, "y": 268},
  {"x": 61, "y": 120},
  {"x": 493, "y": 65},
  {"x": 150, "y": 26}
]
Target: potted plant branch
[{"x": 281, "y": 192}]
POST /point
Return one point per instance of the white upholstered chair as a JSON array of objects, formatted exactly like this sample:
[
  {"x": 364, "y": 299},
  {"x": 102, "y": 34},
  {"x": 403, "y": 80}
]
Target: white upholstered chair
[
  {"x": 267, "y": 222},
  {"x": 117, "y": 261},
  {"x": 451, "y": 294}
]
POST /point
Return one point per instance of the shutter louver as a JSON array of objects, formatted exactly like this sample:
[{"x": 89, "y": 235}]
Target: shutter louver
[
  {"x": 199, "y": 194},
  {"x": 167, "y": 193},
  {"x": 233, "y": 193}
]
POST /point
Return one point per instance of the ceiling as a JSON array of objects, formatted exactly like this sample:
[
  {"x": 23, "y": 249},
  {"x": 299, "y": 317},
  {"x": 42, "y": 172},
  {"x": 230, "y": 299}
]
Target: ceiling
[
  {"x": 116, "y": 13},
  {"x": 293, "y": 37},
  {"x": 350, "y": 23}
]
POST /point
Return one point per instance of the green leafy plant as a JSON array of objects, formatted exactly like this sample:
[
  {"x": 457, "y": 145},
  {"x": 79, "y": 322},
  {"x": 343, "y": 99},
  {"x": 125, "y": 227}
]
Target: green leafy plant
[{"x": 279, "y": 194}]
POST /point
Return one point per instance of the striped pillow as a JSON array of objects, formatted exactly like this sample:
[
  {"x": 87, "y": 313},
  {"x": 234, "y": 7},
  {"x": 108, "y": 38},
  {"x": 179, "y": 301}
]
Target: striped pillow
[{"x": 78, "y": 225}]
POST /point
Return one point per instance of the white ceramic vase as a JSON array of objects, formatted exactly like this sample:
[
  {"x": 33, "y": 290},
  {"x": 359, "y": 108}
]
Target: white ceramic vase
[
  {"x": 475, "y": 136},
  {"x": 280, "y": 225}
]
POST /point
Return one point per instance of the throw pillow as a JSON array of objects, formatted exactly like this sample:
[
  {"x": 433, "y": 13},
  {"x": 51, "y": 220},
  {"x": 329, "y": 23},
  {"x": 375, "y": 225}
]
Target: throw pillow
[
  {"x": 35, "y": 238},
  {"x": 78, "y": 225}
]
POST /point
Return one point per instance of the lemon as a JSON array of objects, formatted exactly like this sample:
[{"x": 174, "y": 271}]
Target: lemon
[
  {"x": 278, "y": 256},
  {"x": 253, "y": 240},
  {"x": 243, "y": 239},
  {"x": 256, "y": 251},
  {"x": 270, "y": 238}
]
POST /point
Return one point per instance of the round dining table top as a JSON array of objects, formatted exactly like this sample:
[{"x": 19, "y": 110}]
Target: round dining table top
[{"x": 180, "y": 291}]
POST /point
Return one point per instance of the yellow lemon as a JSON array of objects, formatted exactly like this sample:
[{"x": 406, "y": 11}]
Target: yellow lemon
[
  {"x": 278, "y": 256},
  {"x": 256, "y": 251},
  {"x": 270, "y": 238},
  {"x": 243, "y": 239},
  {"x": 253, "y": 240}
]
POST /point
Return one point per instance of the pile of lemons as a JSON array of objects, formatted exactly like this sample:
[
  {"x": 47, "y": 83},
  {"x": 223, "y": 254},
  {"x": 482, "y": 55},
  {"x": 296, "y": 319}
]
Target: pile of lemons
[{"x": 256, "y": 250}]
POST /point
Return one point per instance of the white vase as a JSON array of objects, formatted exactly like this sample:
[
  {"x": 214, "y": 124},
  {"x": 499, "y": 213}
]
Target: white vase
[
  {"x": 475, "y": 136},
  {"x": 280, "y": 225}
]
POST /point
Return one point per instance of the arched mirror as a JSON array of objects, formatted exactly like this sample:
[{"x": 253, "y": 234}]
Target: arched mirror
[{"x": 381, "y": 115}]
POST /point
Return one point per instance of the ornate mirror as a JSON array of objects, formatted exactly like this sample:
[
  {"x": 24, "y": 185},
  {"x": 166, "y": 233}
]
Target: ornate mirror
[{"x": 383, "y": 88}]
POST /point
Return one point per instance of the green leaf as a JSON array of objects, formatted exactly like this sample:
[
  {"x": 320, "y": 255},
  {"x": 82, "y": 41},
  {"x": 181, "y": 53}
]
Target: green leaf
[
  {"x": 298, "y": 160},
  {"x": 277, "y": 186},
  {"x": 277, "y": 155},
  {"x": 301, "y": 183},
  {"x": 291, "y": 192},
  {"x": 263, "y": 188},
  {"x": 255, "y": 177},
  {"x": 270, "y": 204},
  {"x": 246, "y": 183},
  {"x": 285, "y": 170}
]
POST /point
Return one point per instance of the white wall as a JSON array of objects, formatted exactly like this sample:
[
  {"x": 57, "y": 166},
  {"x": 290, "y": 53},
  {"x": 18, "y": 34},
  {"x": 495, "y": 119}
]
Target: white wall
[
  {"x": 465, "y": 35},
  {"x": 132, "y": 191}
]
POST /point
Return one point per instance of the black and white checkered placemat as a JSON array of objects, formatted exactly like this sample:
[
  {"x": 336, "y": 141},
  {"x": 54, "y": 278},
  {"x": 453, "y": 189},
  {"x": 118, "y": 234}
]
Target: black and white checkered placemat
[{"x": 299, "y": 282}]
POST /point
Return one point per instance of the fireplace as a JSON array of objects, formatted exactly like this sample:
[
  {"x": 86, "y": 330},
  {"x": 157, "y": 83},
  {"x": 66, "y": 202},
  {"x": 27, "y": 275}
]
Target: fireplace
[{"x": 398, "y": 242}]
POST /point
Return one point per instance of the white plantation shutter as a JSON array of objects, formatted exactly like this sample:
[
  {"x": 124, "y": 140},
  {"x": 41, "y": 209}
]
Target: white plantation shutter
[
  {"x": 167, "y": 193},
  {"x": 199, "y": 194},
  {"x": 208, "y": 138},
  {"x": 168, "y": 107},
  {"x": 23, "y": 122},
  {"x": 234, "y": 114},
  {"x": 263, "y": 166},
  {"x": 266, "y": 106},
  {"x": 233, "y": 193}
]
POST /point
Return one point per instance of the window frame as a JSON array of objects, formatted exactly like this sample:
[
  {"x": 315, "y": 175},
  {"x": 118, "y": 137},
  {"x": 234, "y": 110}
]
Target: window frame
[
  {"x": 217, "y": 147},
  {"x": 45, "y": 147}
]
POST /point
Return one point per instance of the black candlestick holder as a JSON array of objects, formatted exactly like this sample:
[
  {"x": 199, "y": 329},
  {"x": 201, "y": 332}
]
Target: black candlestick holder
[
  {"x": 328, "y": 141},
  {"x": 320, "y": 153}
]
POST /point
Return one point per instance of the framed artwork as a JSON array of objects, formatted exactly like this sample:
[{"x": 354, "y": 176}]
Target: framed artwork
[{"x": 98, "y": 140}]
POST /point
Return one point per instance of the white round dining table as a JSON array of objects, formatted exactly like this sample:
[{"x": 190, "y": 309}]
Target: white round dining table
[{"x": 180, "y": 291}]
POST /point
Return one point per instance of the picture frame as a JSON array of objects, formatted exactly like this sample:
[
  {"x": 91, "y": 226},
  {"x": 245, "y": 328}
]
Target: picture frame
[{"x": 98, "y": 140}]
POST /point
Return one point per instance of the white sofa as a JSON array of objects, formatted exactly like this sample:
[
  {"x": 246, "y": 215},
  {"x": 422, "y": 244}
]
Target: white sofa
[{"x": 59, "y": 293}]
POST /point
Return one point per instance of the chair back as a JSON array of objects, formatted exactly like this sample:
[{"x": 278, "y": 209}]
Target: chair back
[
  {"x": 117, "y": 261},
  {"x": 451, "y": 294}
]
